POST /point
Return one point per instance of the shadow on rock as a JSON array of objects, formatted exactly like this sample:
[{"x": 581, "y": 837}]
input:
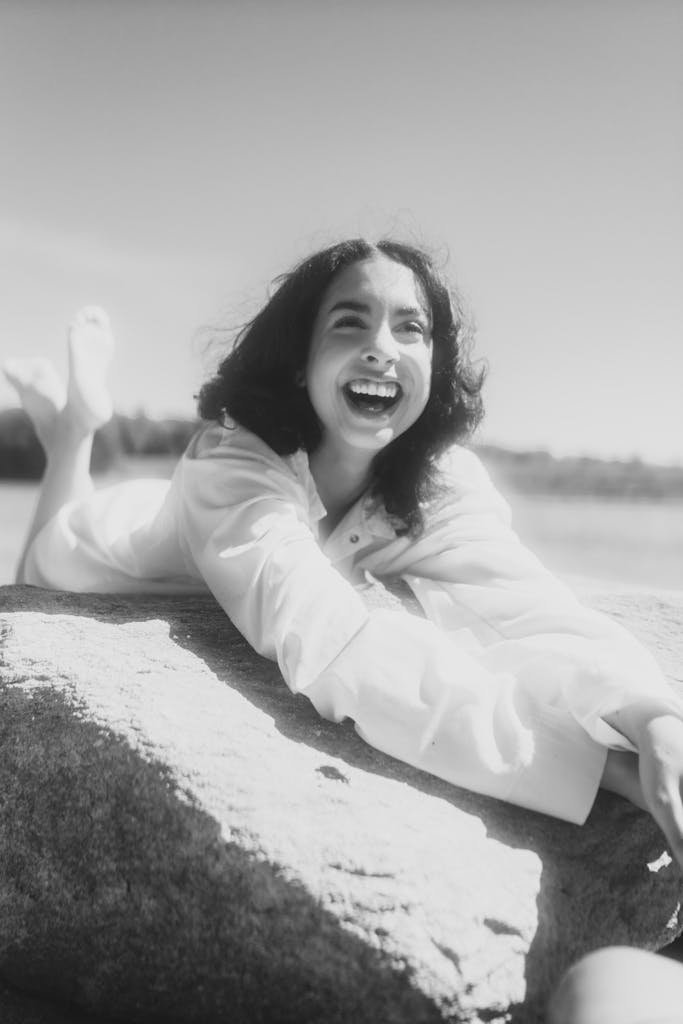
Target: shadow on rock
[{"x": 121, "y": 897}]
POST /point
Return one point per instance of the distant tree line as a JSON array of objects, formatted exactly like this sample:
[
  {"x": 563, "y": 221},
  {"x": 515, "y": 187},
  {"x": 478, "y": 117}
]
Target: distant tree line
[
  {"x": 530, "y": 472},
  {"x": 22, "y": 458},
  {"x": 539, "y": 472}
]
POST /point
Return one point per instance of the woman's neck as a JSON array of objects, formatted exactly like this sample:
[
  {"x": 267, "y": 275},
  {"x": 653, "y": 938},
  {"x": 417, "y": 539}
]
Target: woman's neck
[{"x": 340, "y": 478}]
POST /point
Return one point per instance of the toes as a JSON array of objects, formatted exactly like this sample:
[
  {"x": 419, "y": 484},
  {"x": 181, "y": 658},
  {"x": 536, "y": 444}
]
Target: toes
[
  {"x": 12, "y": 370},
  {"x": 90, "y": 341},
  {"x": 19, "y": 372},
  {"x": 40, "y": 392},
  {"x": 91, "y": 316},
  {"x": 34, "y": 375},
  {"x": 91, "y": 347}
]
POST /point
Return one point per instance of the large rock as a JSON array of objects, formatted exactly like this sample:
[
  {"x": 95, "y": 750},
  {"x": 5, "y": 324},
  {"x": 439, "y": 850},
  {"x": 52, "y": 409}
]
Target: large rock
[
  {"x": 21, "y": 1008},
  {"x": 182, "y": 840}
]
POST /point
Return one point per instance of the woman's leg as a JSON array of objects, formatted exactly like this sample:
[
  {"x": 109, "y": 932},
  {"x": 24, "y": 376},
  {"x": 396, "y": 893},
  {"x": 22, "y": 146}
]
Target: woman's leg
[
  {"x": 619, "y": 985},
  {"x": 65, "y": 423}
]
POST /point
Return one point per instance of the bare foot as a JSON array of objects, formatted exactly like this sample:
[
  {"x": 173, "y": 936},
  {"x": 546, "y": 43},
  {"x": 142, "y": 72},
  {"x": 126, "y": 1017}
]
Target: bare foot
[
  {"x": 41, "y": 391},
  {"x": 91, "y": 347}
]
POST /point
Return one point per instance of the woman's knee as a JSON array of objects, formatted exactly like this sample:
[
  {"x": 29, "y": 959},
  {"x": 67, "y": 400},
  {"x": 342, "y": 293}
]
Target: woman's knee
[{"x": 619, "y": 985}]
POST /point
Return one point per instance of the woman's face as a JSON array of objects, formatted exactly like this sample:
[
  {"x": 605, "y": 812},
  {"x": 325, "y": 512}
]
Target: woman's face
[{"x": 370, "y": 360}]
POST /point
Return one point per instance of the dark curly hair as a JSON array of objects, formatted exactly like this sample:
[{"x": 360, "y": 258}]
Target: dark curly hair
[{"x": 258, "y": 382}]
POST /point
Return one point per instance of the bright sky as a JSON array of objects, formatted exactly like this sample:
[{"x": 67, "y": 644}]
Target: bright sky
[{"x": 167, "y": 159}]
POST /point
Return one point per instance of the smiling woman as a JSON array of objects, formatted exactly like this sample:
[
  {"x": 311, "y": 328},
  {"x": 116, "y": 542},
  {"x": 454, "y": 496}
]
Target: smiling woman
[
  {"x": 332, "y": 452},
  {"x": 368, "y": 374},
  {"x": 383, "y": 313},
  {"x": 369, "y": 371}
]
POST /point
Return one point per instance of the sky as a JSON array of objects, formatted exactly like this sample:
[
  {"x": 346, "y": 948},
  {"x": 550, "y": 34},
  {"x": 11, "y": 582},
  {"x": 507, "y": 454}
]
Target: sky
[{"x": 167, "y": 160}]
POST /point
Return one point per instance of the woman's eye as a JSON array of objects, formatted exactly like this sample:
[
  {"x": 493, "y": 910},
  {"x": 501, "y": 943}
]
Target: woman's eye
[
  {"x": 349, "y": 321},
  {"x": 414, "y": 327}
]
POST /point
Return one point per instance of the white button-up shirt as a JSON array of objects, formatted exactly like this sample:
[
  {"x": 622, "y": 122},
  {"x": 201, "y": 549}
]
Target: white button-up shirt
[{"x": 500, "y": 689}]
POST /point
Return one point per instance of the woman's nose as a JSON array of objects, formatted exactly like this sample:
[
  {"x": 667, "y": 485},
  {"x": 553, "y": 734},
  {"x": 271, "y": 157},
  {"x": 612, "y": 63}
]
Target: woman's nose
[{"x": 381, "y": 349}]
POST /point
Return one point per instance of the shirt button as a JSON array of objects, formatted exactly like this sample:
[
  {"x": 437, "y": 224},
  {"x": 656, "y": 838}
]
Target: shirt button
[{"x": 354, "y": 538}]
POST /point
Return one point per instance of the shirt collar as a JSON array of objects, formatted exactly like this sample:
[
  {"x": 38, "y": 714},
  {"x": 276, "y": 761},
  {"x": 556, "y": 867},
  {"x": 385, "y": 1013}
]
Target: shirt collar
[
  {"x": 377, "y": 520},
  {"x": 367, "y": 514}
]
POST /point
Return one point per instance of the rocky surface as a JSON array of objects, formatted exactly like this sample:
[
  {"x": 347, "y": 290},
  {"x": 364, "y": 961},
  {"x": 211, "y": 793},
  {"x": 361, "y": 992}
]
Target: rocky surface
[
  {"x": 182, "y": 840},
  {"x": 21, "y": 1008}
]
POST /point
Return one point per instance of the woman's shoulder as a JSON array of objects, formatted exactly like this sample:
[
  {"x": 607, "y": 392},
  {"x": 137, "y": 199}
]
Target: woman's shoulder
[
  {"x": 462, "y": 482},
  {"x": 459, "y": 468},
  {"x": 213, "y": 438},
  {"x": 230, "y": 440},
  {"x": 227, "y": 452}
]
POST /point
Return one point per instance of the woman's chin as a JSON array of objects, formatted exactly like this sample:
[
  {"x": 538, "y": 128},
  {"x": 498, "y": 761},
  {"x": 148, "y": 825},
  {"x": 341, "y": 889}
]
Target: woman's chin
[
  {"x": 363, "y": 431},
  {"x": 373, "y": 437}
]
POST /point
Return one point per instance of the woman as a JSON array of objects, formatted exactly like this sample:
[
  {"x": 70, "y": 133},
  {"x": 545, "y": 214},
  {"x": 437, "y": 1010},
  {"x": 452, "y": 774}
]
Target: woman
[{"x": 331, "y": 450}]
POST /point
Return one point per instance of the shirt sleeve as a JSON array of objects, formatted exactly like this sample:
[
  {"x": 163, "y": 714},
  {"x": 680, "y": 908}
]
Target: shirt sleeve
[
  {"x": 245, "y": 522},
  {"x": 119, "y": 539},
  {"x": 412, "y": 689},
  {"x": 477, "y": 581},
  {"x": 416, "y": 693}
]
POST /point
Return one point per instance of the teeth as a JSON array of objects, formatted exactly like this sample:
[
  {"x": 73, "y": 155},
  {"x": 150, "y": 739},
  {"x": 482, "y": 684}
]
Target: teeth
[{"x": 369, "y": 387}]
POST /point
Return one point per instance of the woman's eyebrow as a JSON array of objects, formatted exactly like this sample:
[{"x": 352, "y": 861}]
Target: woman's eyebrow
[
  {"x": 358, "y": 307},
  {"x": 363, "y": 307},
  {"x": 411, "y": 311}
]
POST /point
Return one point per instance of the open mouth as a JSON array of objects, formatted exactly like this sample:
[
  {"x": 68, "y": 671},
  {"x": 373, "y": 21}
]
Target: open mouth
[{"x": 371, "y": 397}]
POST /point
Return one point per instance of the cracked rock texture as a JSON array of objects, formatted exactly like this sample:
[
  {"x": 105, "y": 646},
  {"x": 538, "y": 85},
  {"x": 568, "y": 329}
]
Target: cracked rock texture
[{"x": 182, "y": 840}]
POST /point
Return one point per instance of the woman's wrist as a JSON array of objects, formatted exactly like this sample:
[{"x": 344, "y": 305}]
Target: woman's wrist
[
  {"x": 633, "y": 719},
  {"x": 620, "y": 776}
]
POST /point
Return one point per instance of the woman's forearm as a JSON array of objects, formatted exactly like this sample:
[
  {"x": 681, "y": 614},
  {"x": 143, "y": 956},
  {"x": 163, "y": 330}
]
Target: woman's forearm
[{"x": 652, "y": 778}]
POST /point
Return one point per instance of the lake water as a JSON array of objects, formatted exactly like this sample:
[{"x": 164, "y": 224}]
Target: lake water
[
  {"x": 625, "y": 543},
  {"x": 620, "y": 543}
]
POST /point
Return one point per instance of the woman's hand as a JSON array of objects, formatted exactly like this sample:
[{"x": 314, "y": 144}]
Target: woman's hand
[
  {"x": 660, "y": 763},
  {"x": 652, "y": 778}
]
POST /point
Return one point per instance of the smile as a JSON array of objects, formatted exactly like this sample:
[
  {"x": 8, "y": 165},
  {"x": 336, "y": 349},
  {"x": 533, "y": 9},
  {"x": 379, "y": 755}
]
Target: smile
[{"x": 372, "y": 397}]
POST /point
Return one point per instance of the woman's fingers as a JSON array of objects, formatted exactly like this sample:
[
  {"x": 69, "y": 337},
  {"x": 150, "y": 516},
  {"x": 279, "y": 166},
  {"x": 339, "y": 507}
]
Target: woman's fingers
[
  {"x": 661, "y": 777},
  {"x": 621, "y": 776},
  {"x": 666, "y": 807},
  {"x": 653, "y": 778}
]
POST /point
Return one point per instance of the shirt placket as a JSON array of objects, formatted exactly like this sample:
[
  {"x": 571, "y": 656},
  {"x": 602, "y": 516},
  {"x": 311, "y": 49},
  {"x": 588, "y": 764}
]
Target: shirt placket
[{"x": 350, "y": 536}]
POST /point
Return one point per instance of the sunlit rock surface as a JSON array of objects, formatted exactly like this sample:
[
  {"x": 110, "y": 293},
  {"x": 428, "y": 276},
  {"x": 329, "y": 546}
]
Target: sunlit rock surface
[{"x": 182, "y": 840}]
